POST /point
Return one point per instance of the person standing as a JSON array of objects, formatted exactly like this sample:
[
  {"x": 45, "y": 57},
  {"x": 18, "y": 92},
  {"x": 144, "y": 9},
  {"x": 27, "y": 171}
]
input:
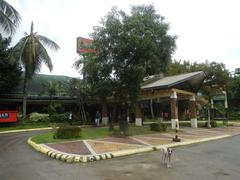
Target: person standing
[
  {"x": 97, "y": 118},
  {"x": 70, "y": 117}
]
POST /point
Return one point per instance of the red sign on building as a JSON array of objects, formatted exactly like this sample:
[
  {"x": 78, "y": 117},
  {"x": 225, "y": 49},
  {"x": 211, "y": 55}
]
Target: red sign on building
[
  {"x": 85, "y": 46},
  {"x": 8, "y": 116}
]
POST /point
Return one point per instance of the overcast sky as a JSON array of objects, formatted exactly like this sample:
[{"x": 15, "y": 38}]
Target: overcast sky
[{"x": 206, "y": 29}]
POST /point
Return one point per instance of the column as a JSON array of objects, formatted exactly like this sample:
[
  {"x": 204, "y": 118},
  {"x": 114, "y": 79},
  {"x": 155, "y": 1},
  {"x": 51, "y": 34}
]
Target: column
[
  {"x": 212, "y": 109},
  {"x": 226, "y": 106},
  {"x": 138, "y": 115},
  {"x": 105, "y": 118},
  {"x": 174, "y": 110},
  {"x": 193, "y": 112}
]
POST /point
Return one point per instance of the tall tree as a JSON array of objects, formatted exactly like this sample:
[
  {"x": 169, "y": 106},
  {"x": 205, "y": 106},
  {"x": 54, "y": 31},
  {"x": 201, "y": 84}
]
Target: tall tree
[
  {"x": 53, "y": 88},
  {"x": 10, "y": 70},
  {"x": 9, "y": 17},
  {"x": 77, "y": 88},
  {"x": 217, "y": 76},
  {"x": 233, "y": 87},
  {"x": 30, "y": 51},
  {"x": 129, "y": 47}
]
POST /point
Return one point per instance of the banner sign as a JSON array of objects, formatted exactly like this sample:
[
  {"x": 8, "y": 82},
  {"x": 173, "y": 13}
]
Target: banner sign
[
  {"x": 84, "y": 46},
  {"x": 8, "y": 116}
]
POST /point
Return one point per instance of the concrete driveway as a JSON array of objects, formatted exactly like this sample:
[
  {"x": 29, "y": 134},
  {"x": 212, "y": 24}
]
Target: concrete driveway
[{"x": 211, "y": 160}]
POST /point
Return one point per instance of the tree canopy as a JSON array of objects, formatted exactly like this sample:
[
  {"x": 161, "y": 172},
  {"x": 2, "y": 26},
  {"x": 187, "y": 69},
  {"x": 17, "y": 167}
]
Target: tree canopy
[
  {"x": 217, "y": 76},
  {"x": 9, "y": 17},
  {"x": 30, "y": 51},
  {"x": 10, "y": 70},
  {"x": 129, "y": 47}
]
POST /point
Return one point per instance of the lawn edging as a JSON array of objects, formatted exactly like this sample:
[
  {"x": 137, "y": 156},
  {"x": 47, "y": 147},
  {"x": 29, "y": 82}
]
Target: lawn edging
[
  {"x": 69, "y": 158},
  {"x": 25, "y": 130}
]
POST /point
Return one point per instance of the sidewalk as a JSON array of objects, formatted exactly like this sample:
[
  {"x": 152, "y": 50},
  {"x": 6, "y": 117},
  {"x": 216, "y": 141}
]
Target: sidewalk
[{"x": 106, "y": 148}]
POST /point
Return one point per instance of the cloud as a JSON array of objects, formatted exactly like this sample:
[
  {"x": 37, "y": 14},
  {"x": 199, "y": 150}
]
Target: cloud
[{"x": 206, "y": 29}]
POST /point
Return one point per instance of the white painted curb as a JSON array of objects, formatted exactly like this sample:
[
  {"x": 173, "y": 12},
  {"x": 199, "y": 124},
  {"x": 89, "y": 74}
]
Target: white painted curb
[
  {"x": 66, "y": 157},
  {"x": 89, "y": 158},
  {"x": 24, "y": 130}
]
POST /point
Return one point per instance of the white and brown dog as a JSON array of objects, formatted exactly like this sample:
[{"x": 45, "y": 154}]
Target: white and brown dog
[{"x": 166, "y": 157}]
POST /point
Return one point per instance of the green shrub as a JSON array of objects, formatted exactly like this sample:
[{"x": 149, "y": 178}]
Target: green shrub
[
  {"x": 54, "y": 108},
  {"x": 185, "y": 124},
  {"x": 67, "y": 132},
  {"x": 37, "y": 117},
  {"x": 213, "y": 124},
  {"x": 234, "y": 114},
  {"x": 160, "y": 127},
  {"x": 59, "y": 118}
]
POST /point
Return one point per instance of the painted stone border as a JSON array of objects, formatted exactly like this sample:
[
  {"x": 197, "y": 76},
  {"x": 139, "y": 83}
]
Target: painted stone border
[
  {"x": 34, "y": 129},
  {"x": 25, "y": 130},
  {"x": 90, "y": 158},
  {"x": 66, "y": 157}
]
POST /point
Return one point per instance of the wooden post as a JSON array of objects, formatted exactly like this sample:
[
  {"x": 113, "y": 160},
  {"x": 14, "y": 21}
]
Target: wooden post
[
  {"x": 174, "y": 110},
  {"x": 138, "y": 116},
  {"x": 226, "y": 106},
  {"x": 212, "y": 109},
  {"x": 193, "y": 112},
  {"x": 105, "y": 118}
]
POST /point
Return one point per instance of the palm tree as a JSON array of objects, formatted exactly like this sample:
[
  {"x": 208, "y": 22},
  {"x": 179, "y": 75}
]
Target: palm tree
[
  {"x": 30, "y": 51},
  {"x": 9, "y": 17}
]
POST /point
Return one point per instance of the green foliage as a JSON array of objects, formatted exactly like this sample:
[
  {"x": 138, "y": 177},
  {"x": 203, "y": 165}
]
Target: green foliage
[
  {"x": 37, "y": 117},
  {"x": 233, "y": 90},
  {"x": 54, "y": 108},
  {"x": 59, "y": 118},
  {"x": 90, "y": 133},
  {"x": 217, "y": 76},
  {"x": 234, "y": 113},
  {"x": 10, "y": 70},
  {"x": 237, "y": 71},
  {"x": 130, "y": 47},
  {"x": 53, "y": 88},
  {"x": 234, "y": 87},
  {"x": 76, "y": 87},
  {"x": 67, "y": 132},
  {"x": 9, "y": 17},
  {"x": 160, "y": 127},
  {"x": 213, "y": 124},
  {"x": 30, "y": 51}
]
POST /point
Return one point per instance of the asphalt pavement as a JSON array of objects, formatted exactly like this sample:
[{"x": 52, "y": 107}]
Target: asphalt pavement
[{"x": 218, "y": 159}]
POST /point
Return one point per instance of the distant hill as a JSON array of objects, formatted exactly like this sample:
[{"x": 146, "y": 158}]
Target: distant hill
[{"x": 39, "y": 85}]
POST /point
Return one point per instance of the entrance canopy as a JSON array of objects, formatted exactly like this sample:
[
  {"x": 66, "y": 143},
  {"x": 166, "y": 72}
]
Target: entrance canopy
[
  {"x": 185, "y": 85},
  {"x": 188, "y": 82}
]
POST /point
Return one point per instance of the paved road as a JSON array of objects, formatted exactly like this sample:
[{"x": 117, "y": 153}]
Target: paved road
[{"x": 212, "y": 160}]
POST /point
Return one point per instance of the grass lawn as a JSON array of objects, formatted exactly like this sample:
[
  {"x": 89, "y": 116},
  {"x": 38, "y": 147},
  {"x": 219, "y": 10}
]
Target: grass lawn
[
  {"x": 90, "y": 133},
  {"x": 19, "y": 126},
  {"x": 4, "y": 127},
  {"x": 201, "y": 123}
]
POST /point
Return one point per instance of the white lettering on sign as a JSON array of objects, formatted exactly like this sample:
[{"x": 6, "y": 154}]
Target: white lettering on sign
[{"x": 4, "y": 115}]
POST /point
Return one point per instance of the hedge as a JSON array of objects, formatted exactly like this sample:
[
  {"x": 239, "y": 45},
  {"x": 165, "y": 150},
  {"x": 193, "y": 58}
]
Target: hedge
[
  {"x": 67, "y": 132},
  {"x": 160, "y": 127}
]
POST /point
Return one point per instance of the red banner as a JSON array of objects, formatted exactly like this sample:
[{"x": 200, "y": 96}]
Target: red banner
[{"x": 8, "y": 116}]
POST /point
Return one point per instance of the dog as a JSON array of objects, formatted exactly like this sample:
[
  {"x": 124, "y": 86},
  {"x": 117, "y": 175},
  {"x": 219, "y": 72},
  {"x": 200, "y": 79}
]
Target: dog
[{"x": 166, "y": 157}]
